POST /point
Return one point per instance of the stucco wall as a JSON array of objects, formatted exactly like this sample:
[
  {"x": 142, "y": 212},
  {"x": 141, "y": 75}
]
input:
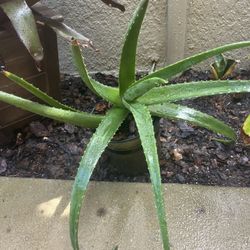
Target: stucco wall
[
  {"x": 213, "y": 23},
  {"x": 106, "y": 27},
  {"x": 173, "y": 29}
]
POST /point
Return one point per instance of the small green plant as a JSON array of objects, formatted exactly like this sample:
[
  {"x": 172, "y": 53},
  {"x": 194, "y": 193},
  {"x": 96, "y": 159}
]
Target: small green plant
[
  {"x": 149, "y": 96},
  {"x": 246, "y": 126},
  {"x": 246, "y": 131},
  {"x": 223, "y": 67}
]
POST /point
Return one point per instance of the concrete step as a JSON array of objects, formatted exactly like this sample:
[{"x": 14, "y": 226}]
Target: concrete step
[{"x": 34, "y": 215}]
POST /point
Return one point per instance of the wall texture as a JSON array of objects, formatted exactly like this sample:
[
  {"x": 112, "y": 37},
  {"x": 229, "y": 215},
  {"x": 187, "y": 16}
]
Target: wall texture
[
  {"x": 106, "y": 27},
  {"x": 173, "y": 29},
  {"x": 213, "y": 23}
]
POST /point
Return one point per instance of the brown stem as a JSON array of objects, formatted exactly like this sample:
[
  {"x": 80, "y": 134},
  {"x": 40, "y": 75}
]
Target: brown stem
[{"x": 115, "y": 4}]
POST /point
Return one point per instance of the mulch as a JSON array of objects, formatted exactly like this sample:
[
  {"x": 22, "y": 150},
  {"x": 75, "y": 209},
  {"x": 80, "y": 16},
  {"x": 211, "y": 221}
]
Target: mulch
[{"x": 189, "y": 154}]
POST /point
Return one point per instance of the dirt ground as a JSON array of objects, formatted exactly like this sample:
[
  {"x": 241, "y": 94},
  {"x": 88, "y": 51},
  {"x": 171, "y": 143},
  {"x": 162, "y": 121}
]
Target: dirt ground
[{"x": 189, "y": 154}]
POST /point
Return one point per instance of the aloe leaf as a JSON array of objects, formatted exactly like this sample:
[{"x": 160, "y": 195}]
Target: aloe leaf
[
  {"x": 246, "y": 126},
  {"x": 66, "y": 32},
  {"x": 35, "y": 91},
  {"x": 96, "y": 146},
  {"x": 174, "y": 111},
  {"x": 128, "y": 56},
  {"x": 182, "y": 91},
  {"x": 231, "y": 65},
  {"x": 23, "y": 21},
  {"x": 180, "y": 66},
  {"x": 146, "y": 131},
  {"x": 55, "y": 21},
  {"x": 76, "y": 118},
  {"x": 140, "y": 89},
  {"x": 110, "y": 94}
]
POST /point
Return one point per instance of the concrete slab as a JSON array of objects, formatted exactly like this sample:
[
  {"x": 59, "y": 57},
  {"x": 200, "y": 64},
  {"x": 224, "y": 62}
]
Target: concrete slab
[{"x": 34, "y": 215}]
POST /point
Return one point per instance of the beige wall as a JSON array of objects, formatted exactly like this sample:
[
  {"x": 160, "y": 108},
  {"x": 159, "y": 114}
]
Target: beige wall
[
  {"x": 107, "y": 27},
  {"x": 214, "y": 23},
  {"x": 173, "y": 29}
]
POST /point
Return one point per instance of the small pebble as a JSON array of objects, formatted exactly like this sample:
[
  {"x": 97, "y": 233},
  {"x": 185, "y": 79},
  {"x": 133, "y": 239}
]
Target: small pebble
[
  {"x": 222, "y": 176},
  {"x": 177, "y": 155},
  {"x": 180, "y": 178},
  {"x": 38, "y": 129},
  {"x": 70, "y": 128},
  {"x": 3, "y": 165},
  {"x": 42, "y": 146}
]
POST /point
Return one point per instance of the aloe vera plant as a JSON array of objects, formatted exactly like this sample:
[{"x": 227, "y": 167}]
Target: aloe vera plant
[{"x": 144, "y": 98}]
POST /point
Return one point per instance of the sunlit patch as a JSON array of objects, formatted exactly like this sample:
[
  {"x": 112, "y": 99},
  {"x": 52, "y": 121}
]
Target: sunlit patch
[
  {"x": 48, "y": 208},
  {"x": 66, "y": 211}
]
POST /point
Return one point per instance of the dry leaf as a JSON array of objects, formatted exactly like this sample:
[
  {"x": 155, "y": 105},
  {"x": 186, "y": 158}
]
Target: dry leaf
[{"x": 115, "y": 4}]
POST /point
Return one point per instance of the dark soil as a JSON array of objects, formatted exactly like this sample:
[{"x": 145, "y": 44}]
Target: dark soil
[{"x": 48, "y": 149}]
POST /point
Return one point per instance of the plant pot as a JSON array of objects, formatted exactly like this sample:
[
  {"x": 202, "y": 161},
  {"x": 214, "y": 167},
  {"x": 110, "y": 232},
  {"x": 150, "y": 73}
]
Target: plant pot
[{"x": 126, "y": 156}]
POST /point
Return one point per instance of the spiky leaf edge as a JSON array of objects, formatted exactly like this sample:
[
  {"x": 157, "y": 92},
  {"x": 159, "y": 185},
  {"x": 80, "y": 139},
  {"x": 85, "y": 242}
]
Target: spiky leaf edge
[
  {"x": 110, "y": 94},
  {"x": 146, "y": 131},
  {"x": 179, "y": 112},
  {"x": 76, "y": 118},
  {"x": 35, "y": 91},
  {"x": 191, "y": 90},
  {"x": 180, "y": 66},
  {"x": 128, "y": 56},
  {"x": 96, "y": 146}
]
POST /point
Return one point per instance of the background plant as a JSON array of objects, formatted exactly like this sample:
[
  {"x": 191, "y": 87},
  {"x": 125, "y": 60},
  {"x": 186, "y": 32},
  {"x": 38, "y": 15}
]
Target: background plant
[
  {"x": 246, "y": 131},
  {"x": 21, "y": 14},
  {"x": 149, "y": 96},
  {"x": 223, "y": 67}
]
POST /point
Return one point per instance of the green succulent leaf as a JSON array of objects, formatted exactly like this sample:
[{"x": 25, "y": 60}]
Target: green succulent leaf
[
  {"x": 146, "y": 131},
  {"x": 23, "y": 21},
  {"x": 35, "y": 91},
  {"x": 143, "y": 87},
  {"x": 246, "y": 126},
  {"x": 191, "y": 90},
  {"x": 67, "y": 32},
  {"x": 174, "y": 111},
  {"x": 110, "y": 94},
  {"x": 76, "y": 118},
  {"x": 128, "y": 57},
  {"x": 180, "y": 66},
  {"x": 96, "y": 146},
  {"x": 55, "y": 21},
  {"x": 222, "y": 67}
]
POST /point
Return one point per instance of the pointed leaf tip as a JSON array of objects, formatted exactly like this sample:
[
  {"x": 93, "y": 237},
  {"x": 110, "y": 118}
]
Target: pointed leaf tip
[
  {"x": 128, "y": 56},
  {"x": 24, "y": 23}
]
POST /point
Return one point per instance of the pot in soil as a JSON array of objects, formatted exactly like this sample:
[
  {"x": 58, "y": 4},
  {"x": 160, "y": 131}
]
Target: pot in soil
[{"x": 125, "y": 156}]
